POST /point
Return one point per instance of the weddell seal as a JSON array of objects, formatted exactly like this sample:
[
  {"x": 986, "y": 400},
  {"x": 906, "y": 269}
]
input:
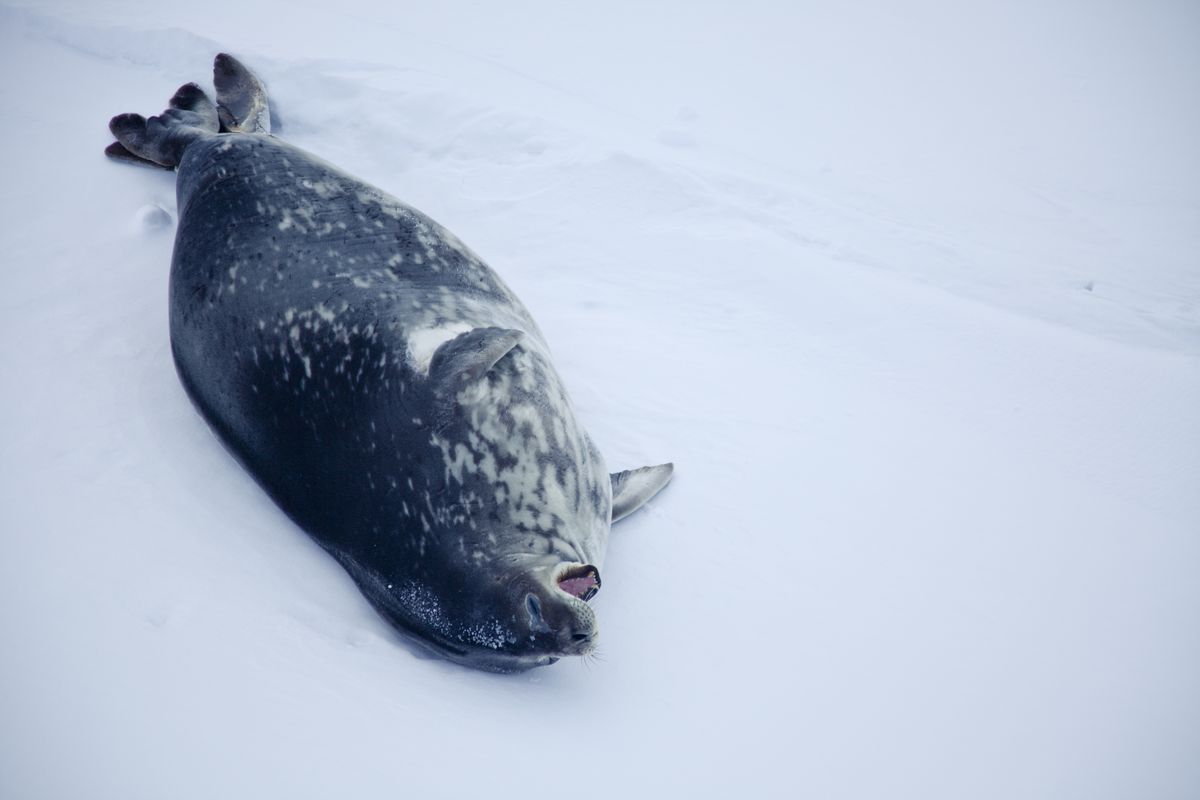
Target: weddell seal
[{"x": 383, "y": 385}]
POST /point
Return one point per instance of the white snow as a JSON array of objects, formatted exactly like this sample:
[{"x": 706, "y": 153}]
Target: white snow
[{"x": 909, "y": 292}]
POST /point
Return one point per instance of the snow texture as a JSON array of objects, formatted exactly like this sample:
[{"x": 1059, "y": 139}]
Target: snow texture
[{"x": 910, "y": 294}]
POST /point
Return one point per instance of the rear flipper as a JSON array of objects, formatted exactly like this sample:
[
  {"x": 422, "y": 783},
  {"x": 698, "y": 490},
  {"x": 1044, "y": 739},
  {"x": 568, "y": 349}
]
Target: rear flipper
[
  {"x": 160, "y": 141},
  {"x": 117, "y": 151}
]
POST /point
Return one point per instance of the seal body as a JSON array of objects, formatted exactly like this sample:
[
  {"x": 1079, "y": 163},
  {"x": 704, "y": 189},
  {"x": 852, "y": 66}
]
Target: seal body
[{"x": 388, "y": 391}]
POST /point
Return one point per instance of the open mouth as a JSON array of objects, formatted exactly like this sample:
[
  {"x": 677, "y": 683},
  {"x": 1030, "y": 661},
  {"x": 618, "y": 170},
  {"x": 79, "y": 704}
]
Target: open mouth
[{"x": 582, "y": 582}]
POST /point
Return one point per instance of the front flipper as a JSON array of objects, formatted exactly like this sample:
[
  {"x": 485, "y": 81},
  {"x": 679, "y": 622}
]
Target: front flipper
[
  {"x": 241, "y": 97},
  {"x": 633, "y": 487},
  {"x": 467, "y": 357}
]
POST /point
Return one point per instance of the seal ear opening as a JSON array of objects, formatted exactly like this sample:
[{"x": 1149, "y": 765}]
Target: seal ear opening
[{"x": 633, "y": 487}]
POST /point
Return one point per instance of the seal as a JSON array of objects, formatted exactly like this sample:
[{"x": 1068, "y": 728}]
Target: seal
[{"x": 383, "y": 385}]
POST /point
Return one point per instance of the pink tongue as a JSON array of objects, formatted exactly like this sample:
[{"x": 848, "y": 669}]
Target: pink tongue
[{"x": 578, "y": 586}]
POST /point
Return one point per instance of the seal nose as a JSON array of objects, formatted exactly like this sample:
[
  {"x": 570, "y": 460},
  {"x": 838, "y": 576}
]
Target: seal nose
[{"x": 577, "y": 640}]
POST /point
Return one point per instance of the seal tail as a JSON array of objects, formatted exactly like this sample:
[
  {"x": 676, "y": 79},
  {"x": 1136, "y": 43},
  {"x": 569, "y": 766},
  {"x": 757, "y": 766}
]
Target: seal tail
[{"x": 159, "y": 141}]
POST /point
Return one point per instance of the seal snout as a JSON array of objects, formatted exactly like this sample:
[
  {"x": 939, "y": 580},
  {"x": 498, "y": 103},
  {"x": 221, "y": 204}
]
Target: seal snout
[
  {"x": 578, "y": 636},
  {"x": 581, "y": 582}
]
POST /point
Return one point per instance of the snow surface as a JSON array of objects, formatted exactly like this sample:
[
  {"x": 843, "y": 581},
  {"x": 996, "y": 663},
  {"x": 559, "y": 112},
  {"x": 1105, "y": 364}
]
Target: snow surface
[{"x": 910, "y": 293}]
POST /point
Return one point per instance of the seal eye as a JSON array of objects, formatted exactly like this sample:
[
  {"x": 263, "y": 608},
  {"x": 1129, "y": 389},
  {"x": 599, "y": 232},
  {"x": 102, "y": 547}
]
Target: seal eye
[
  {"x": 533, "y": 606},
  {"x": 582, "y": 582}
]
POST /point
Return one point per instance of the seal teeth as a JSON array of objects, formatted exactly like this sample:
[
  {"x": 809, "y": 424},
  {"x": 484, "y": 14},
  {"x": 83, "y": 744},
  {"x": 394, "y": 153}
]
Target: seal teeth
[{"x": 582, "y": 582}]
